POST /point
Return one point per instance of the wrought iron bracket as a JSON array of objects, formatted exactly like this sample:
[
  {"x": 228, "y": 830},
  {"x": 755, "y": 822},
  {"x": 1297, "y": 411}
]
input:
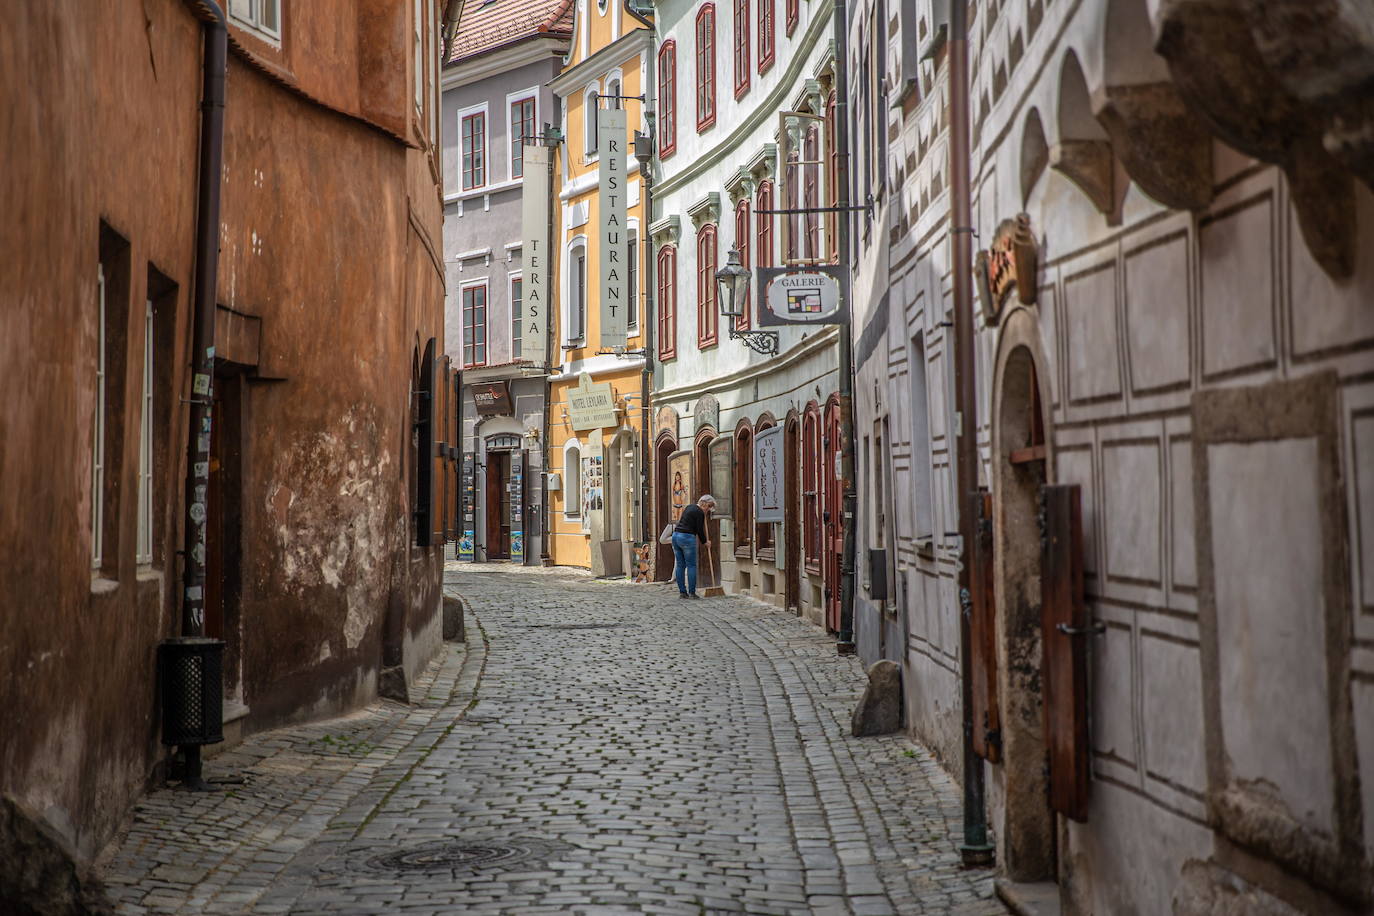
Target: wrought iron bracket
[{"x": 764, "y": 342}]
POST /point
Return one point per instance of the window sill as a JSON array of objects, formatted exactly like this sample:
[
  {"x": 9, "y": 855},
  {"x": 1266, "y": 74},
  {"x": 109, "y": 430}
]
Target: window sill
[
  {"x": 812, "y": 568},
  {"x": 100, "y": 585},
  {"x": 768, "y": 553},
  {"x": 744, "y": 551}
]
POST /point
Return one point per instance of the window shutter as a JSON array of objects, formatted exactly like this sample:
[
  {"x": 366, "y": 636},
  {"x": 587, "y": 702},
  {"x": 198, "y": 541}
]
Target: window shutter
[
  {"x": 1064, "y": 632},
  {"x": 987, "y": 735},
  {"x": 424, "y": 470}
]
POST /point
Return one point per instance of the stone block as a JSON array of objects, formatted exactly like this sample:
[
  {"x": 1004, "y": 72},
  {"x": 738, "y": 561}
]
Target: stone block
[
  {"x": 455, "y": 627},
  {"x": 39, "y": 872},
  {"x": 880, "y": 708}
]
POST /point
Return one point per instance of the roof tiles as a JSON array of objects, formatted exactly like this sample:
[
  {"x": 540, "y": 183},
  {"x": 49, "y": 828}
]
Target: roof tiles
[{"x": 488, "y": 24}]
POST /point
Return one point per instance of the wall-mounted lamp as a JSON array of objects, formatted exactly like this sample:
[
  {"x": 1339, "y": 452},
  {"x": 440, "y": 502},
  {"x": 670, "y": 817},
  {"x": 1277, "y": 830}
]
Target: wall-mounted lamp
[{"x": 733, "y": 282}]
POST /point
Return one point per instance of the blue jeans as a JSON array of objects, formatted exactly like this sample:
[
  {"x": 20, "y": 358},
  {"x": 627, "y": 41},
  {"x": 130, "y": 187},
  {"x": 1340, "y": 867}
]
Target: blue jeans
[{"x": 685, "y": 552}]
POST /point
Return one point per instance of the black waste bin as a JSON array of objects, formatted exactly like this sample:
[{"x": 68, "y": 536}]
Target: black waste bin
[{"x": 191, "y": 668}]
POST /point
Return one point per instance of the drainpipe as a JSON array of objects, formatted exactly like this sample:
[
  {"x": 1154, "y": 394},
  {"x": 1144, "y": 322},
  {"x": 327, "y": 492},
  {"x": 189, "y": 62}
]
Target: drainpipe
[
  {"x": 546, "y": 541},
  {"x": 845, "y": 644},
  {"x": 975, "y": 849},
  {"x": 644, "y": 153},
  {"x": 210, "y": 172}
]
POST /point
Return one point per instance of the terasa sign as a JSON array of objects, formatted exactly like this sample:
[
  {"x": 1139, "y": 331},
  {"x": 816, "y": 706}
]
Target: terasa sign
[
  {"x": 610, "y": 148},
  {"x": 809, "y": 295},
  {"x": 534, "y": 261}
]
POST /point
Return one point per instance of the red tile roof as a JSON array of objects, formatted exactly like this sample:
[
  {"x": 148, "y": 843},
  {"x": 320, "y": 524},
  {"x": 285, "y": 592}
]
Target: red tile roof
[{"x": 489, "y": 24}]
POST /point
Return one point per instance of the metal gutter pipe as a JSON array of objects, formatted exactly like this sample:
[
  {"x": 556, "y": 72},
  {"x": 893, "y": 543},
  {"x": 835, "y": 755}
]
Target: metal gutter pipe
[
  {"x": 975, "y": 849},
  {"x": 645, "y": 251},
  {"x": 845, "y": 644}
]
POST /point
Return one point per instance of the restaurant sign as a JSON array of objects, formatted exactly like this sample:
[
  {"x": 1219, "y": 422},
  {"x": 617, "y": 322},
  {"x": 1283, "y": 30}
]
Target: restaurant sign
[{"x": 492, "y": 399}]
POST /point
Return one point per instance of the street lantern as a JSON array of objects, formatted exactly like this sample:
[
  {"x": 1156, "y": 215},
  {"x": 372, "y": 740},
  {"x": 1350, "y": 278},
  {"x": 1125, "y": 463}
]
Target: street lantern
[{"x": 732, "y": 282}]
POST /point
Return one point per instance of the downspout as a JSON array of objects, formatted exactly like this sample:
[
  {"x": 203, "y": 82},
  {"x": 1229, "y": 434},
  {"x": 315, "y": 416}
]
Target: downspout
[
  {"x": 209, "y": 177},
  {"x": 845, "y": 644},
  {"x": 645, "y": 251},
  {"x": 975, "y": 850},
  {"x": 554, "y": 243}
]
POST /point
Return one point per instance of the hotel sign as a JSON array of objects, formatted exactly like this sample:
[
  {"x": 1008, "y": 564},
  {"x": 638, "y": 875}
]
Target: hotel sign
[
  {"x": 612, "y": 238},
  {"x": 534, "y": 255},
  {"x": 806, "y": 295},
  {"x": 591, "y": 406}
]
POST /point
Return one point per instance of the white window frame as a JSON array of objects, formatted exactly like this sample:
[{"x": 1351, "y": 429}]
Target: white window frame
[
  {"x": 572, "y": 480},
  {"x": 144, "y": 550},
  {"x": 484, "y": 110},
  {"x": 248, "y": 14},
  {"x": 575, "y": 243},
  {"x": 513, "y": 277},
  {"x": 636, "y": 293},
  {"x": 923, "y": 472},
  {"x": 590, "y": 104},
  {"x": 615, "y": 85},
  {"x": 98, "y": 430},
  {"x": 511, "y": 99},
  {"x": 486, "y": 324}
]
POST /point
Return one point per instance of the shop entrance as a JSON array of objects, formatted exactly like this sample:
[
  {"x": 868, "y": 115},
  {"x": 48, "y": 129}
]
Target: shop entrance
[
  {"x": 832, "y": 512},
  {"x": 501, "y": 497}
]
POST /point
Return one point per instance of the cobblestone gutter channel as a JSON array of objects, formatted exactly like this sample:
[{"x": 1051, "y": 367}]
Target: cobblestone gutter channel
[{"x": 598, "y": 749}]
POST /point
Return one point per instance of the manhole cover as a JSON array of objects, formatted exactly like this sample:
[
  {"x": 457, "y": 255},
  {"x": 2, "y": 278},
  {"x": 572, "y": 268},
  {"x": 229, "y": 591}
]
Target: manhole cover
[{"x": 465, "y": 855}]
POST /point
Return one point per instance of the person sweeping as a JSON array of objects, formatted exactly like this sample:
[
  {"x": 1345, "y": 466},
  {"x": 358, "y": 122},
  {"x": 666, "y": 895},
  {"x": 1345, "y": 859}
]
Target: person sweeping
[{"x": 688, "y": 537}]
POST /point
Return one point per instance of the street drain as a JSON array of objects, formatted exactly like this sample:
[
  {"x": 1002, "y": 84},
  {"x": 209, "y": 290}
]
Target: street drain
[{"x": 460, "y": 856}]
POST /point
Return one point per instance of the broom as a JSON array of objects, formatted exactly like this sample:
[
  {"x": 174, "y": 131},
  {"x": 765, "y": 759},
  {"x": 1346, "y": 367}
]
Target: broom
[{"x": 712, "y": 591}]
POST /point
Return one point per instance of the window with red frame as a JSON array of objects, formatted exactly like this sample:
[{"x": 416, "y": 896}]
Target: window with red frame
[
  {"x": 790, "y": 182},
  {"x": 743, "y": 231},
  {"x": 667, "y": 98},
  {"x": 763, "y": 531},
  {"x": 793, "y": 12},
  {"x": 832, "y": 177},
  {"x": 706, "y": 286},
  {"x": 521, "y": 129},
  {"x": 744, "y": 490},
  {"x": 741, "y": 47},
  {"x": 811, "y": 486},
  {"x": 474, "y": 151},
  {"x": 706, "y": 66},
  {"x": 475, "y": 325},
  {"x": 667, "y": 302},
  {"x": 767, "y": 40},
  {"x": 763, "y": 222},
  {"x": 811, "y": 192}
]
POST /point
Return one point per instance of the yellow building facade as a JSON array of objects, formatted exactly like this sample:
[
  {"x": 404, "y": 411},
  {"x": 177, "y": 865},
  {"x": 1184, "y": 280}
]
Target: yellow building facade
[{"x": 596, "y": 388}]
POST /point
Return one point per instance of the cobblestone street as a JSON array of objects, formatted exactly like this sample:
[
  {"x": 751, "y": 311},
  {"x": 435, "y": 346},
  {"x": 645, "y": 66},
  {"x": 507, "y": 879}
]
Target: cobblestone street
[{"x": 596, "y": 747}]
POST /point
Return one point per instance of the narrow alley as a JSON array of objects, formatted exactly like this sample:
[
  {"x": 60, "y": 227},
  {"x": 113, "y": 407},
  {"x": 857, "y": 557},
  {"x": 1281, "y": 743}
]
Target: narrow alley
[{"x": 594, "y": 747}]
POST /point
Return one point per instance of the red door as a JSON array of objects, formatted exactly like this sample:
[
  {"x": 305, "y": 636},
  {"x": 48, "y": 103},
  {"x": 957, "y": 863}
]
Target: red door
[{"x": 832, "y": 514}]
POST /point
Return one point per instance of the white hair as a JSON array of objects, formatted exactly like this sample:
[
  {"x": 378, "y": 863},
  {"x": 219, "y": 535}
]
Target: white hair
[{"x": 706, "y": 498}]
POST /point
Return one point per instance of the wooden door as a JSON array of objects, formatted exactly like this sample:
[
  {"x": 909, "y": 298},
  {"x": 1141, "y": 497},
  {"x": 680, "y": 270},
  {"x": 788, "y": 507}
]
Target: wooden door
[
  {"x": 663, "y": 567},
  {"x": 1064, "y": 634},
  {"x": 701, "y": 472},
  {"x": 791, "y": 526},
  {"x": 498, "y": 506},
  {"x": 832, "y": 513},
  {"x": 987, "y": 742}
]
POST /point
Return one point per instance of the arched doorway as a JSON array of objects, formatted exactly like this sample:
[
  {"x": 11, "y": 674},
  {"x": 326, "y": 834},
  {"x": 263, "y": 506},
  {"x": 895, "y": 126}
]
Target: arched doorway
[
  {"x": 618, "y": 529},
  {"x": 1027, "y": 837},
  {"x": 832, "y": 511},
  {"x": 663, "y": 503},
  {"x": 503, "y": 474},
  {"x": 701, "y": 483}
]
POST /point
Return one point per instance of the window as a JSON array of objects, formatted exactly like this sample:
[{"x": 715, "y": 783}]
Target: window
[
  {"x": 517, "y": 314},
  {"x": 474, "y": 150},
  {"x": 613, "y": 93},
  {"x": 743, "y": 231},
  {"x": 706, "y": 286},
  {"x": 920, "y": 443},
  {"x": 577, "y": 303},
  {"x": 144, "y": 549},
  {"x": 741, "y": 47},
  {"x": 572, "y": 480},
  {"x": 522, "y": 115},
  {"x": 811, "y": 485},
  {"x": 590, "y": 103},
  {"x": 264, "y": 15},
  {"x": 667, "y": 302},
  {"x": 792, "y": 15},
  {"x": 744, "y": 489},
  {"x": 419, "y": 57},
  {"x": 763, "y": 222},
  {"x": 767, "y": 39},
  {"x": 832, "y": 181},
  {"x": 793, "y": 202},
  {"x": 632, "y": 287},
  {"x": 811, "y": 192},
  {"x": 98, "y": 430},
  {"x": 667, "y": 98},
  {"x": 706, "y": 66},
  {"x": 475, "y": 325}
]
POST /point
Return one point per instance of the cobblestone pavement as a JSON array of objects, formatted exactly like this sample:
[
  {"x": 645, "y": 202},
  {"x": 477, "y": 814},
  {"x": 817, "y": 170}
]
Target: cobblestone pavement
[{"x": 598, "y": 747}]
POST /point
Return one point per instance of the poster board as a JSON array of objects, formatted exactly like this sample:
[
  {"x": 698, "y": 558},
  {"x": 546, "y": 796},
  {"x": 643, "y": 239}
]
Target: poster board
[
  {"x": 769, "y": 483},
  {"x": 722, "y": 451},
  {"x": 679, "y": 482}
]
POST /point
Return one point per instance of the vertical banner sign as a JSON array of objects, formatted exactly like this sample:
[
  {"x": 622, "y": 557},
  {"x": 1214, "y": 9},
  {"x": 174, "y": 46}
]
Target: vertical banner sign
[
  {"x": 768, "y": 475},
  {"x": 468, "y": 536},
  {"x": 610, "y": 147},
  {"x": 534, "y": 254},
  {"x": 517, "y": 507}
]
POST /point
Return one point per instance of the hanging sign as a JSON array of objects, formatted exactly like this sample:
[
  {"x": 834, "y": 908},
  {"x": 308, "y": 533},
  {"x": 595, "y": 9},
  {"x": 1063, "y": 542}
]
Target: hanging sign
[
  {"x": 1010, "y": 264},
  {"x": 534, "y": 259},
  {"x": 591, "y": 406},
  {"x": 492, "y": 399},
  {"x": 468, "y": 537},
  {"x": 610, "y": 204},
  {"x": 768, "y": 475},
  {"x": 517, "y": 507},
  {"x": 808, "y": 295}
]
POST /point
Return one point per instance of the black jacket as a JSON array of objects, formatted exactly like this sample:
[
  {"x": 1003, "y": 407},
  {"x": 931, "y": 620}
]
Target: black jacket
[{"x": 693, "y": 521}]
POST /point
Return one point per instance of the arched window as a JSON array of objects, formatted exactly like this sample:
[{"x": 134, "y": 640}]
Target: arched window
[
  {"x": 744, "y": 489},
  {"x": 706, "y": 66},
  {"x": 767, "y": 40},
  {"x": 590, "y": 103},
  {"x": 575, "y": 322},
  {"x": 742, "y": 47},
  {"x": 572, "y": 479},
  {"x": 667, "y": 302},
  {"x": 743, "y": 231},
  {"x": 613, "y": 94},
  {"x": 667, "y": 99},
  {"x": 811, "y": 486},
  {"x": 706, "y": 286}
]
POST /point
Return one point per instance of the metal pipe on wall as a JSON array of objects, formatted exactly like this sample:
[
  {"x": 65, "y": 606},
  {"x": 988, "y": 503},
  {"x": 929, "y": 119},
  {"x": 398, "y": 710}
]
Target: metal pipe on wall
[
  {"x": 845, "y": 644},
  {"x": 975, "y": 849}
]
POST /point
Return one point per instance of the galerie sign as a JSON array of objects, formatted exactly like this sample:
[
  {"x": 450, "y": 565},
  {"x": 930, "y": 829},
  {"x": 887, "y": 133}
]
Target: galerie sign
[
  {"x": 591, "y": 406},
  {"x": 534, "y": 260},
  {"x": 768, "y": 475},
  {"x": 808, "y": 295},
  {"x": 610, "y": 205}
]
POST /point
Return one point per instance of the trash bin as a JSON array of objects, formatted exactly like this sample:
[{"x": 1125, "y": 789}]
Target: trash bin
[{"x": 190, "y": 669}]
